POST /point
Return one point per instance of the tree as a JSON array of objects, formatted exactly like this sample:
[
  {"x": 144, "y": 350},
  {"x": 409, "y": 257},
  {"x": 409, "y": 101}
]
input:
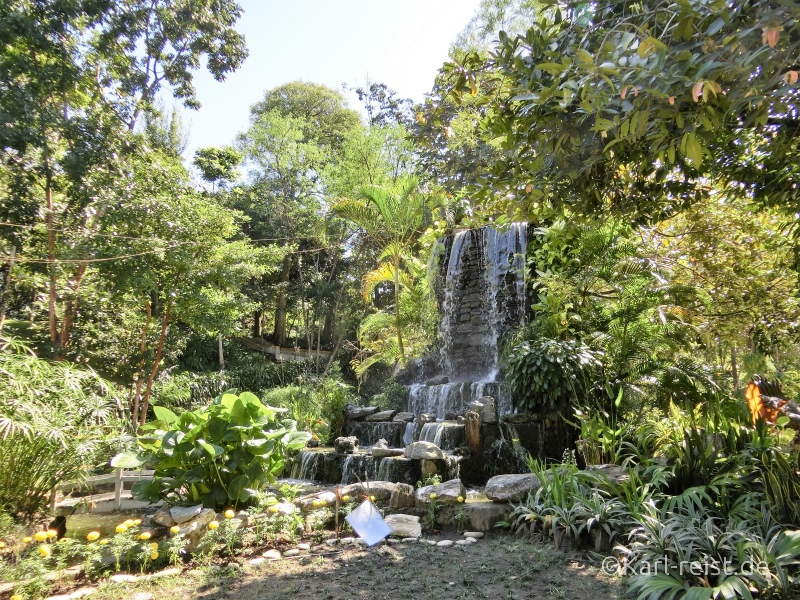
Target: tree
[
  {"x": 393, "y": 218},
  {"x": 295, "y": 137},
  {"x": 217, "y": 165},
  {"x": 607, "y": 105}
]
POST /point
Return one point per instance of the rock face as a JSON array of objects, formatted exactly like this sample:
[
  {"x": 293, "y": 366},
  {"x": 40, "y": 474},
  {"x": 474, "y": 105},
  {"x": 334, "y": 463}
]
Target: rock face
[
  {"x": 404, "y": 526},
  {"x": 384, "y": 415},
  {"x": 345, "y": 445},
  {"x": 423, "y": 450},
  {"x": 511, "y": 488},
  {"x": 446, "y": 493},
  {"x": 440, "y": 380}
]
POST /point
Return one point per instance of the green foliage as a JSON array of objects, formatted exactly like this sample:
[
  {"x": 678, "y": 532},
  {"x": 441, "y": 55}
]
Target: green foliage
[
  {"x": 549, "y": 374},
  {"x": 393, "y": 397},
  {"x": 217, "y": 455},
  {"x": 53, "y": 426}
]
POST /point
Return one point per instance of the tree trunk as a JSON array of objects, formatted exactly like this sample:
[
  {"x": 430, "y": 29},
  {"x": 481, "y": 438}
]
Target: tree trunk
[
  {"x": 156, "y": 361},
  {"x": 6, "y": 288},
  {"x": 70, "y": 304},
  {"x": 221, "y": 355},
  {"x": 280, "y": 310},
  {"x": 137, "y": 394},
  {"x": 397, "y": 309},
  {"x": 51, "y": 263},
  {"x": 734, "y": 369},
  {"x": 257, "y": 324}
]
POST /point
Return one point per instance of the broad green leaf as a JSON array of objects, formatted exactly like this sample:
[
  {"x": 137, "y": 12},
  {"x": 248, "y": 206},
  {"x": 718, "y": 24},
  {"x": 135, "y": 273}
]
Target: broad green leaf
[
  {"x": 128, "y": 460},
  {"x": 165, "y": 415}
]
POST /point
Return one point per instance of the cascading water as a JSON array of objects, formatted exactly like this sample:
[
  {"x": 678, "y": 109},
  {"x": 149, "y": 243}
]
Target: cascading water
[
  {"x": 307, "y": 465},
  {"x": 410, "y": 433}
]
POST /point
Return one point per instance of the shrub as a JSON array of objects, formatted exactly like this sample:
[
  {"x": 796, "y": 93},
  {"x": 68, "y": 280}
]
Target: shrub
[
  {"x": 217, "y": 455},
  {"x": 53, "y": 419}
]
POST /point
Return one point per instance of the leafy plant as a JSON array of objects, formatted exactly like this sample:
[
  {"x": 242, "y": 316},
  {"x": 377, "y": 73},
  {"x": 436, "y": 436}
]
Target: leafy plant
[{"x": 216, "y": 455}]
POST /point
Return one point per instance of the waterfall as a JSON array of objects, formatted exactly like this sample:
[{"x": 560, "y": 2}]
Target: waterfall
[
  {"x": 358, "y": 466},
  {"x": 410, "y": 433},
  {"x": 306, "y": 465},
  {"x": 431, "y": 432}
]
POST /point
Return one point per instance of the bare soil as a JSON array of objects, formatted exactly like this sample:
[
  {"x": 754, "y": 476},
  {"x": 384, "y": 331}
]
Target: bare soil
[{"x": 497, "y": 567}]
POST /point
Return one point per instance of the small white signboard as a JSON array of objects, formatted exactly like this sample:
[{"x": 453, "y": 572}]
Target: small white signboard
[{"x": 367, "y": 522}]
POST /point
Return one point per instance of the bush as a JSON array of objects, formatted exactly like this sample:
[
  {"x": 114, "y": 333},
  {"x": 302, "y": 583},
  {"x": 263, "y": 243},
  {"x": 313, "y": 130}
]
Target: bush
[
  {"x": 53, "y": 426},
  {"x": 217, "y": 455},
  {"x": 394, "y": 397},
  {"x": 548, "y": 374}
]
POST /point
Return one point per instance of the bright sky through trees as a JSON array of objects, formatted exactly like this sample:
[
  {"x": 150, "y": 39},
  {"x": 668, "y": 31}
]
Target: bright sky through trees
[{"x": 402, "y": 44}]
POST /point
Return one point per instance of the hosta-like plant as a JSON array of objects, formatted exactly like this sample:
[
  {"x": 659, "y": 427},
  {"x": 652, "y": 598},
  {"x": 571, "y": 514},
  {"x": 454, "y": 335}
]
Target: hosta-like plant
[{"x": 217, "y": 455}]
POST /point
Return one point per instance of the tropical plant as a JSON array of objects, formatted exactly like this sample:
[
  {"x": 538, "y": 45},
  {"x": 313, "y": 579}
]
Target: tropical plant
[
  {"x": 56, "y": 422},
  {"x": 217, "y": 455}
]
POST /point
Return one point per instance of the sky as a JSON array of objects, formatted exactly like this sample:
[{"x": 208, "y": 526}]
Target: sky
[{"x": 400, "y": 43}]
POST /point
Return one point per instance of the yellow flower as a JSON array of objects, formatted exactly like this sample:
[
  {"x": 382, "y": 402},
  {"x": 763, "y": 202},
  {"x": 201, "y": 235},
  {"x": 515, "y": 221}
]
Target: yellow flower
[
  {"x": 372, "y": 498},
  {"x": 40, "y": 536},
  {"x": 460, "y": 498},
  {"x": 44, "y": 550},
  {"x": 121, "y": 528},
  {"x": 175, "y": 529},
  {"x": 27, "y": 540},
  {"x": 63, "y": 540},
  {"x": 273, "y": 509},
  {"x": 345, "y": 498},
  {"x": 51, "y": 533},
  {"x": 213, "y": 525},
  {"x": 154, "y": 556},
  {"x": 130, "y": 523},
  {"x": 322, "y": 503},
  {"x": 16, "y": 597},
  {"x": 145, "y": 535},
  {"x": 315, "y": 503},
  {"x": 103, "y": 542},
  {"x": 2, "y": 544},
  {"x": 433, "y": 496},
  {"x": 93, "y": 535},
  {"x": 137, "y": 522},
  {"x": 229, "y": 514},
  {"x": 154, "y": 546}
]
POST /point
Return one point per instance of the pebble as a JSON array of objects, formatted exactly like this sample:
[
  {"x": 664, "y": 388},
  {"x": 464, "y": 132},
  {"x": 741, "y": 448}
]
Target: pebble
[
  {"x": 392, "y": 541},
  {"x": 360, "y": 542},
  {"x": 332, "y": 542},
  {"x": 471, "y": 540},
  {"x": 233, "y": 566},
  {"x": 431, "y": 542},
  {"x": 445, "y": 543},
  {"x": 474, "y": 534},
  {"x": 348, "y": 540},
  {"x": 409, "y": 540},
  {"x": 304, "y": 546},
  {"x": 257, "y": 561},
  {"x": 290, "y": 553},
  {"x": 272, "y": 554},
  {"x": 82, "y": 592},
  {"x": 463, "y": 542},
  {"x": 122, "y": 578}
]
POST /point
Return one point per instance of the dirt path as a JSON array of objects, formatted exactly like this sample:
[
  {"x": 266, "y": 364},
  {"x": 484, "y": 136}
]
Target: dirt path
[{"x": 496, "y": 567}]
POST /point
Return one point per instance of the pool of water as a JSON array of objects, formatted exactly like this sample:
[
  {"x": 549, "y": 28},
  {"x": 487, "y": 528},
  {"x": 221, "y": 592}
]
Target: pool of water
[{"x": 79, "y": 525}]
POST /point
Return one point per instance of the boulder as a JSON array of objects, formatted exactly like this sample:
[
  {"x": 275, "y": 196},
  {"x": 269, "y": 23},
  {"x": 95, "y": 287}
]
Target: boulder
[
  {"x": 440, "y": 380},
  {"x": 345, "y": 445},
  {"x": 486, "y": 408},
  {"x": 382, "y": 490},
  {"x": 163, "y": 517},
  {"x": 403, "y": 417},
  {"x": 614, "y": 473},
  {"x": 306, "y": 503},
  {"x": 423, "y": 418},
  {"x": 429, "y": 467},
  {"x": 480, "y": 516},
  {"x": 446, "y": 493},
  {"x": 182, "y": 514},
  {"x": 381, "y": 449},
  {"x": 384, "y": 415},
  {"x": 511, "y": 488},
  {"x": 196, "y": 528},
  {"x": 423, "y": 450},
  {"x": 402, "y": 496},
  {"x": 356, "y": 413},
  {"x": 404, "y": 526}
]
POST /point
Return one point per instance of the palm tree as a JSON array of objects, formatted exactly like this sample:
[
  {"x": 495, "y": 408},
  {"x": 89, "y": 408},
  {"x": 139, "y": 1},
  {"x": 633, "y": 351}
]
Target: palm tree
[{"x": 393, "y": 218}]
